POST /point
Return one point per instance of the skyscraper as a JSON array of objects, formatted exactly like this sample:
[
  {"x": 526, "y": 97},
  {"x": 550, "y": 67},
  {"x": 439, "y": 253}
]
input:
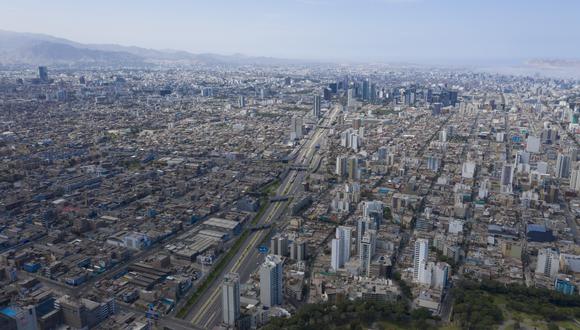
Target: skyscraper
[
  {"x": 433, "y": 163},
  {"x": 341, "y": 247},
  {"x": 298, "y": 250},
  {"x": 366, "y": 251},
  {"x": 279, "y": 245},
  {"x": 373, "y": 210},
  {"x": 420, "y": 255},
  {"x": 231, "y": 298},
  {"x": 363, "y": 225},
  {"x": 436, "y": 109},
  {"x": 43, "y": 74},
  {"x": 575, "y": 177},
  {"x": 507, "y": 175},
  {"x": 373, "y": 93},
  {"x": 207, "y": 92},
  {"x": 453, "y": 97},
  {"x": 271, "y": 281},
  {"x": 350, "y": 97},
  {"x": 327, "y": 93},
  {"x": 296, "y": 128},
  {"x": 341, "y": 165},
  {"x": 242, "y": 101},
  {"x": 366, "y": 90},
  {"x": 352, "y": 168},
  {"x": 344, "y": 234},
  {"x": 440, "y": 275},
  {"x": 443, "y": 136},
  {"x": 316, "y": 106},
  {"x": 563, "y": 166},
  {"x": 335, "y": 254}
]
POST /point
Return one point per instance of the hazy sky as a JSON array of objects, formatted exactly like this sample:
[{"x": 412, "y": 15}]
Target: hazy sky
[{"x": 315, "y": 29}]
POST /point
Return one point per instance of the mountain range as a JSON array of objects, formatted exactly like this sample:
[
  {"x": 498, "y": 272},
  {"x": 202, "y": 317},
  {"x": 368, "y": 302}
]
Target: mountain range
[
  {"x": 17, "y": 48},
  {"x": 32, "y": 49}
]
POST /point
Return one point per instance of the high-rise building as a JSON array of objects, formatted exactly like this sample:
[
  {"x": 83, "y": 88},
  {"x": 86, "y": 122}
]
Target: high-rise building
[
  {"x": 436, "y": 109},
  {"x": 409, "y": 97},
  {"x": 333, "y": 87},
  {"x": 453, "y": 97},
  {"x": 341, "y": 165},
  {"x": 522, "y": 157},
  {"x": 573, "y": 153},
  {"x": 316, "y": 106},
  {"x": 271, "y": 281},
  {"x": 429, "y": 96},
  {"x": 382, "y": 153},
  {"x": 548, "y": 262},
  {"x": 366, "y": 251},
  {"x": 350, "y": 97},
  {"x": 420, "y": 256},
  {"x": 242, "y": 101},
  {"x": 298, "y": 250},
  {"x": 443, "y": 136},
  {"x": 335, "y": 254},
  {"x": 327, "y": 94},
  {"x": 231, "y": 298},
  {"x": 373, "y": 93},
  {"x": 433, "y": 163},
  {"x": 279, "y": 245},
  {"x": 362, "y": 226},
  {"x": 344, "y": 234},
  {"x": 366, "y": 90},
  {"x": 563, "y": 166},
  {"x": 373, "y": 210},
  {"x": 353, "y": 168},
  {"x": 43, "y": 74},
  {"x": 507, "y": 177},
  {"x": 207, "y": 92},
  {"x": 483, "y": 189},
  {"x": 439, "y": 275},
  {"x": 296, "y": 127},
  {"x": 341, "y": 247},
  {"x": 575, "y": 177}
]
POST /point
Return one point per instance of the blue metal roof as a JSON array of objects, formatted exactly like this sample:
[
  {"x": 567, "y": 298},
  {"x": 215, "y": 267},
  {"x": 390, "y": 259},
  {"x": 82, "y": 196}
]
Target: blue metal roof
[
  {"x": 535, "y": 227},
  {"x": 8, "y": 311}
]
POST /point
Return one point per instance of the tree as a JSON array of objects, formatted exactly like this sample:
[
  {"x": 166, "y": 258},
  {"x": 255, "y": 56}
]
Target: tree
[{"x": 553, "y": 326}]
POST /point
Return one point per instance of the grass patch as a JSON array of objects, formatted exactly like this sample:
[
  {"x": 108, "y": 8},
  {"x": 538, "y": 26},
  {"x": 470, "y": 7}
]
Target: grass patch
[
  {"x": 529, "y": 307},
  {"x": 568, "y": 325},
  {"x": 390, "y": 326}
]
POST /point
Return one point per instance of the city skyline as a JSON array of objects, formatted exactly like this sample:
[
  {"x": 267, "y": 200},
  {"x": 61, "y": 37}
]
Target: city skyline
[
  {"x": 289, "y": 164},
  {"x": 424, "y": 31}
]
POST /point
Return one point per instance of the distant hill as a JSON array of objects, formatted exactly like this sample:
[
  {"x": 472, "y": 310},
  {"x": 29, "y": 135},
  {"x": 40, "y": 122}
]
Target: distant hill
[
  {"x": 36, "y": 49},
  {"x": 554, "y": 63}
]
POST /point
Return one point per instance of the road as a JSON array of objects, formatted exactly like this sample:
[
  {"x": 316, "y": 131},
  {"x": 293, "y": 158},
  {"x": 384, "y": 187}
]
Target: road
[
  {"x": 207, "y": 312},
  {"x": 162, "y": 322}
]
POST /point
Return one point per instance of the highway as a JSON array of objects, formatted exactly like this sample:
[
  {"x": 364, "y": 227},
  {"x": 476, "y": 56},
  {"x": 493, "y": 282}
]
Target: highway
[
  {"x": 207, "y": 312},
  {"x": 163, "y": 322}
]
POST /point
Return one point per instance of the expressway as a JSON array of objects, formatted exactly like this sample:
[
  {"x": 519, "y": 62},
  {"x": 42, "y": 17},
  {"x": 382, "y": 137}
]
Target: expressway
[{"x": 206, "y": 313}]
